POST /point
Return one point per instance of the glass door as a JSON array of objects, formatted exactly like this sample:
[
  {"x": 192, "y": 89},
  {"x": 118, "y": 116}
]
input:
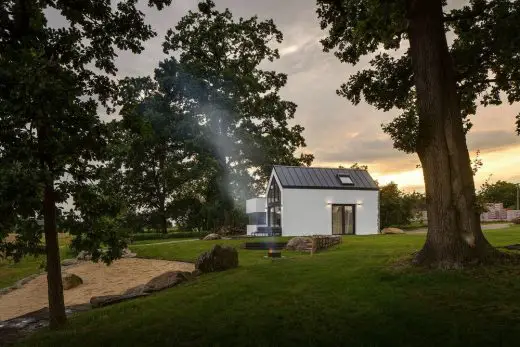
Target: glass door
[
  {"x": 343, "y": 219},
  {"x": 348, "y": 219},
  {"x": 337, "y": 219}
]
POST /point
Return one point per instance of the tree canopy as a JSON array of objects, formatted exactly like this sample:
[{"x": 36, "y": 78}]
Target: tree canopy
[
  {"x": 485, "y": 52},
  {"x": 499, "y": 192},
  {"x": 53, "y": 79}
]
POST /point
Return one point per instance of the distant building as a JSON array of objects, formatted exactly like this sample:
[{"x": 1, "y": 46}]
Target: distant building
[{"x": 497, "y": 212}]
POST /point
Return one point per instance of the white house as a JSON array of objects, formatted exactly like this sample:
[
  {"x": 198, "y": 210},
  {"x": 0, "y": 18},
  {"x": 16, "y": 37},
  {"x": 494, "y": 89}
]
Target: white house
[{"x": 317, "y": 201}]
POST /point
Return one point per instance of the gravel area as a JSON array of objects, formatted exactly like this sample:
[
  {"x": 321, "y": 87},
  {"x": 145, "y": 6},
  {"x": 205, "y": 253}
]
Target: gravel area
[{"x": 98, "y": 279}]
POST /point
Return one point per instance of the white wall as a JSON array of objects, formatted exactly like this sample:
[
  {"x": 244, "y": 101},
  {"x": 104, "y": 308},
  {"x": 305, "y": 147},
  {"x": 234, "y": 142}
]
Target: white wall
[
  {"x": 306, "y": 212},
  {"x": 255, "y": 205}
]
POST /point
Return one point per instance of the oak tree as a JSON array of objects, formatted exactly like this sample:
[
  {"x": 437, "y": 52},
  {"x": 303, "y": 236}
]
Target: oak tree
[
  {"x": 437, "y": 87},
  {"x": 245, "y": 121}
]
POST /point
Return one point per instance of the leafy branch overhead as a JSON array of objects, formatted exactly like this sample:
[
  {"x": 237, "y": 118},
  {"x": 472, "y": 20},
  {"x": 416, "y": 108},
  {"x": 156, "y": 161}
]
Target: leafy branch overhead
[{"x": 485, "y": 51}]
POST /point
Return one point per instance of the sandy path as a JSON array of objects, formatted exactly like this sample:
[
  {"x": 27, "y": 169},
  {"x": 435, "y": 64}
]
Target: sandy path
[{"x": 98, "y": 279}]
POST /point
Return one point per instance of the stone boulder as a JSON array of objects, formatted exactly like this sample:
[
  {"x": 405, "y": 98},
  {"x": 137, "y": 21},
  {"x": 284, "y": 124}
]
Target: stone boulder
[
  {"x": 299, "y": 244},
  {"x": 84, "y": 256},
  {"x": 71, "y": 281},
  {"x": 127, "y": 253},
  {"x": 210, "y": 237},
  {"x": 392, "y": 231},
  {"x": 135, "y": 290},
  {"x": 101, "y": 301},
  {"x": 219, "y": 258},
  {"x": 166, "y": 280},
  {"x": 69, "y": 262}
]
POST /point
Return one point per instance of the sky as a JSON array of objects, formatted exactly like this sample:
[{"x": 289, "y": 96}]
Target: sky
[{"x": 337, "y": 132}]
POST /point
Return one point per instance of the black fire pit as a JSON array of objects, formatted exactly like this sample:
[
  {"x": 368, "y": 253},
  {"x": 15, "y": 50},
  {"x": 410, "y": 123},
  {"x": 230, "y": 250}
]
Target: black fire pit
[{"x": 274, "y": 253}]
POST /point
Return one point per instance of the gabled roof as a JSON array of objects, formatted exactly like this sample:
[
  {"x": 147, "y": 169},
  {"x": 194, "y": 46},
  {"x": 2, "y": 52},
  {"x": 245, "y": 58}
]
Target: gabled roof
[{"x": 323, "y": 178}]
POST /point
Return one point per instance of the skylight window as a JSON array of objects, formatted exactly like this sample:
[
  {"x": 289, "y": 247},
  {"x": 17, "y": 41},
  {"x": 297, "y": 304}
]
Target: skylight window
[{"x": 346, "y": 180}]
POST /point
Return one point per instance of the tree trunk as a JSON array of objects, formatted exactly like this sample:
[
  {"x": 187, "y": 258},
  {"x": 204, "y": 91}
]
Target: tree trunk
[
  {"x": 454, "y": 235},
  {"x": 57, "y": 315},
  {"x": 164, "y": 220}
]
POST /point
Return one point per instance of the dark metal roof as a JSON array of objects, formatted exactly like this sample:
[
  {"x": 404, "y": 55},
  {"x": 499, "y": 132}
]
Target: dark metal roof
[{"x": 323, "y": 178}]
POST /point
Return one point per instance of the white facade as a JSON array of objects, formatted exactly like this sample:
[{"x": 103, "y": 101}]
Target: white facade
[{"x": 309, "y": 211}]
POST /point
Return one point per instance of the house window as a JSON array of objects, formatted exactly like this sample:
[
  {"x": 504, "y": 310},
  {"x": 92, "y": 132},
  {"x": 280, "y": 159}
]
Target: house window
[
  {"x": 257, "y": 218},
  {"x": 274, "y": 195},
  {"x": 345, "y": 180}
]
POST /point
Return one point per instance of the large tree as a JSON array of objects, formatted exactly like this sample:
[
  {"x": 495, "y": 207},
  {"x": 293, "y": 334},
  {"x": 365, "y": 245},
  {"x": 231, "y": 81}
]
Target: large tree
[
  {"x": 437, "y": 87},
  {"x": 246, "y": 123},
  {"x": 52, "y": 80},
  {"x": 156, "y": 151}
]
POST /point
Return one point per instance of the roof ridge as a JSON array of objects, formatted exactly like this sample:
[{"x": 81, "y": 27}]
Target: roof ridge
[{"x": 320, "y": 167}]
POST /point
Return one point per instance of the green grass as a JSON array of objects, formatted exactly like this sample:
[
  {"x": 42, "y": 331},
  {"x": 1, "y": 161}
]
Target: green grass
[
  {"x": 352, "y": 295},
  {"x": 10, "y": 272}
]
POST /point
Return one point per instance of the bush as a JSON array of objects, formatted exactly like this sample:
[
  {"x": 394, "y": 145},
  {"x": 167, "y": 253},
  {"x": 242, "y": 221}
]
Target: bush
[
  {"x": 161, "y": 236},
  {"x": 516, "y": 220}
]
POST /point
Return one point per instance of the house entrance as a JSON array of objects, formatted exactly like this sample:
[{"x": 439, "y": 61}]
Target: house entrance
[{"x": 343, "y": 219}]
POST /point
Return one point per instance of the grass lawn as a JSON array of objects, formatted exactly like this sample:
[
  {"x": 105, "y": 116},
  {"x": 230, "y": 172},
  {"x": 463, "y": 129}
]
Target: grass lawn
[
  {"x": 347, "y": 296},
  {"x": 11, "y": 272}
]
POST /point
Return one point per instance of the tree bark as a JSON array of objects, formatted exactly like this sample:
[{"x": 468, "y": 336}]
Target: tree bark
[
  {"x": 454, "y": 235},
  {"x": 57, "y": 315}
]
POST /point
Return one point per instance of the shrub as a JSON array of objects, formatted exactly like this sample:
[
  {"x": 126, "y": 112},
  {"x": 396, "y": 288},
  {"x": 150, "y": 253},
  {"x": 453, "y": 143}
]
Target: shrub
[{"x": 160, "y": 236}]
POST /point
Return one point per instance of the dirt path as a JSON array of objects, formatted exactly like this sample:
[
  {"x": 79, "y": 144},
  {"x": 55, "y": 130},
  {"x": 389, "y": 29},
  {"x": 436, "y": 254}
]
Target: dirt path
[
  {"x": 484, "y": 227},
  {"x": 98, "y": 279},
  {"x": 162, "y": 243}
]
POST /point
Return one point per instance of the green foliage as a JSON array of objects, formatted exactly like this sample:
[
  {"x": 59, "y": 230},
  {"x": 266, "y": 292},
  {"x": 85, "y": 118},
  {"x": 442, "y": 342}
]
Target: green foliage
[
  {"x": 245, "y": 115},
  {"x": 202, "y": 135},
  {"x": 398, "y": 208},
  {"x": 500, "y": 191},
  {"x": 52, "y": 82},
  {"x": 485, "y": 53},
  {"x": 163, "y": 236}
]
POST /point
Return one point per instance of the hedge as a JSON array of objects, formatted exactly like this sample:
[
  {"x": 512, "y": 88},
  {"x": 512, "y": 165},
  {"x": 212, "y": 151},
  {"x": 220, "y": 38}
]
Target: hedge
[{"x": 161, "y": 236}]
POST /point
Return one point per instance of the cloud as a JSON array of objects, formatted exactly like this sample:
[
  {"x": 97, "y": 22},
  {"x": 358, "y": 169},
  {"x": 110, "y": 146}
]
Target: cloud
[
  {"x": 336, "y": 131},
  {"x": 492, "y": 140}
]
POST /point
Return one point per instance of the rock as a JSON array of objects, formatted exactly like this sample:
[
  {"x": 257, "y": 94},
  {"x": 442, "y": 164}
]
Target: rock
[
  {"x": 210, "y": 237},
  {"x": 127, "y": 253},
  {"x": 71, "y": 281},
  {"x": 166, "y": 280},
  {"x": 219, "y": 258},
  {"x": 135, "y": 290},
  {"x": 299, "y": 244},
  {"x": 101, "y": 301},
  {"x": 69, "y": 262},
  {"x": 84, "y": 256},
  {"x": 392, "y": 231}
]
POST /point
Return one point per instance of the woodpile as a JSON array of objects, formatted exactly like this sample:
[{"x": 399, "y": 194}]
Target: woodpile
[{"x": 322, "y": 242}]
